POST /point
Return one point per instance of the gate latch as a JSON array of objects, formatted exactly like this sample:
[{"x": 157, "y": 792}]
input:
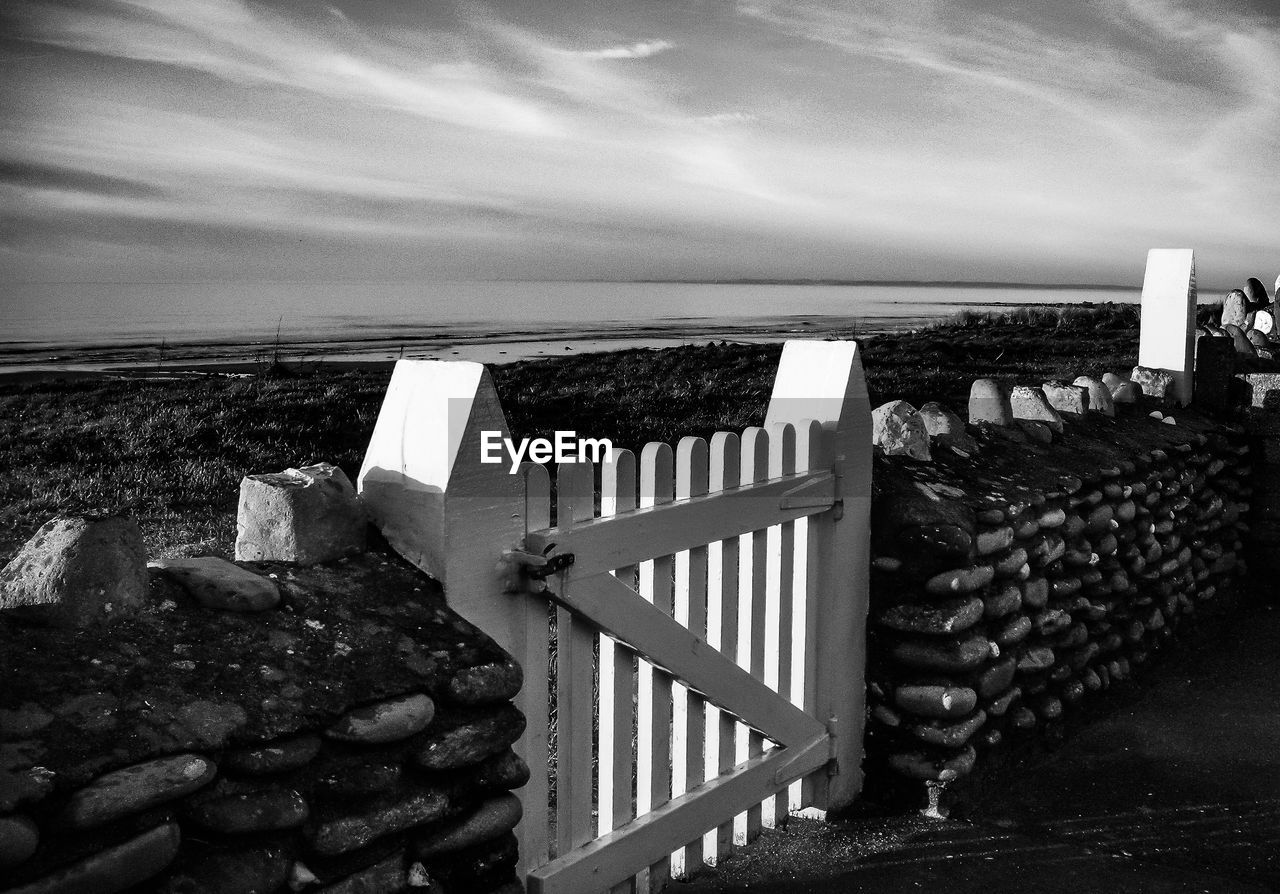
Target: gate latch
[{"x": 555, "y": 564}]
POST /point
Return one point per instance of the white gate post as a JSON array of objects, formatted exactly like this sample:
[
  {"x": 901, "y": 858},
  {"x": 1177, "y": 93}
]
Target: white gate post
[
  {"x": 1168, "y": 335},
  {"x": 822, "y": 380},
  {"x": 433, "y": 499}
]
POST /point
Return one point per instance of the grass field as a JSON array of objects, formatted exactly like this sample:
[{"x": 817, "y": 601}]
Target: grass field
[{"x": 172, "y": 453}]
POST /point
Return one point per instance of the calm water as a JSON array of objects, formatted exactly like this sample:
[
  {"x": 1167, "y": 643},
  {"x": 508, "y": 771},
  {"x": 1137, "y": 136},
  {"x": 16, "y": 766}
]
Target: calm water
[{"x": 112, "y": 322}]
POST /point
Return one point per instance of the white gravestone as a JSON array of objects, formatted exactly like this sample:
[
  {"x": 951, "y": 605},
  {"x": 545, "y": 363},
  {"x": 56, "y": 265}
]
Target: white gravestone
[{"x": 1169, "y": 317}]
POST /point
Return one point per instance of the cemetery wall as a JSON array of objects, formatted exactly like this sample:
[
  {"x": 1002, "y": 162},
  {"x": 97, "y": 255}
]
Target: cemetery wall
[
  {"x": 1027, "y": 562},
  {"x": 253, "y": 726}
]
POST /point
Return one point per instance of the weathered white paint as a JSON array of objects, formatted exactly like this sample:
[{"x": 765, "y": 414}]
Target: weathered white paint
[{"x": 1168, "y": 334}]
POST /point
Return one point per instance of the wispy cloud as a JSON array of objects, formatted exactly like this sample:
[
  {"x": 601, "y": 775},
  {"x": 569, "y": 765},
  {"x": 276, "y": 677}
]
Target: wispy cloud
[{"x": 641, "y": 50}]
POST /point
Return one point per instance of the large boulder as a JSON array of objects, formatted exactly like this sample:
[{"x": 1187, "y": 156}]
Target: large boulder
[
  {"x": 989, "y": 402},
  {"x": 306, "y": 515},
  {"x": 898, "y": 430},
  {"x": 76, "y": 572},
  {"x": 945, "y": 427},
  {"x": 1235, "y": 309},
  {"x": 1031, "y": 404}
]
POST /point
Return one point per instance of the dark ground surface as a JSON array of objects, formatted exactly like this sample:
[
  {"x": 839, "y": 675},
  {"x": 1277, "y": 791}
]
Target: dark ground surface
[{"x": 1174, "y": 789}]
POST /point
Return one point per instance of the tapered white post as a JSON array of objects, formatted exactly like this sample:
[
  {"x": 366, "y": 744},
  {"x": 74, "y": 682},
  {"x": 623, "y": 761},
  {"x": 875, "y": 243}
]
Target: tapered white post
[
  {"x": 822, "y": 381},
  {"x": 1168, "y": 335}
]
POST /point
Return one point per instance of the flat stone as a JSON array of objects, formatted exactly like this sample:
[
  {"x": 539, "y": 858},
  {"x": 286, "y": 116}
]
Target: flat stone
[
  {"x": 949, "y": 541},
  {"x": 935, "y": 618},
  {"x": 1031, "y": 404},
  {"x": 960, "y": 580},
  {"x": 1036, "y": 659},
  {"x": 1099, "y": 395},
  {"x": 114, "y": 869},
  {"x": 503, "y": 771},
  {"x": 473, "y": 741},
  {"x": 134, "y": 789},
  {"x": 358, "y": 779},
  {"x": 19, "y": 838},
  {"x": 306, "y": 515},
  {"x": 942, "y": 702},
  {"x": 948, "y": 735},
  {"x": 945, "y": 427},
  {"x": 242, "y": 871},
  {"x": 1014, "y": 631},
  {"x": 1001, "y": 704},
  {"x": 993, "y": 540},
  {"x": 279, "y": 756},
  {"x": 1005, "y": 601},
  {"x": 218, "y": 584},
  {"x": 387, "y": 721},
  {"x": 989, "y": 402},
  {"x": 387, "y": 876},
  {"x": 494, "y": 817},
  {"x": 996, "y": 678},
  {"x": 266, "y": 810},
  {"x": 347, "y": 833},
  {"x": 898, "y": 430},
  {"x": 1067, "y": 398},
  {"x": 1035, "y": 592},
  {"x": 77, "y": 572},
  {"x": 486, "y": 684},
  {"x": 918, "y": 765},
  {"x": 951, "y": 655}
]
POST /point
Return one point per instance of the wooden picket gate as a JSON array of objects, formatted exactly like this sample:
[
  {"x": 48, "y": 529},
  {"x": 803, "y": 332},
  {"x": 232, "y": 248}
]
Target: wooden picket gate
[{"x": 704, "y": 656}]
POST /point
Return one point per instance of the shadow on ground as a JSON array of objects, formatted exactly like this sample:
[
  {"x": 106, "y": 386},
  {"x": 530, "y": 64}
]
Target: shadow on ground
[{"x": 1176, "y": 791}]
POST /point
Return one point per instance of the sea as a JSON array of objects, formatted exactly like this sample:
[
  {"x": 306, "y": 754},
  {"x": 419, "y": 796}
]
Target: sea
[{"x": 110, "y": 326}]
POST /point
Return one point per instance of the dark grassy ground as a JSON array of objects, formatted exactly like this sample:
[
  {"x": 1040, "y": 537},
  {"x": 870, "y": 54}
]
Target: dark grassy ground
[{"x": 172, "y": 453}]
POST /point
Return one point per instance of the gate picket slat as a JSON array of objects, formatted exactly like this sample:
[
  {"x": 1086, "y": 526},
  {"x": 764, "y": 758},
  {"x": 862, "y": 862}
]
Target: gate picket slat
[
  {"x": 689, "y": 713},
  {"x": 755, "y": 467},
  {"x": 534, "y": 744},
  {"x": 575, "y": 707},
  {"x": 657, "y": 486},
  {"x": 724, "y": 473},
  {"x": 617, "y": 675},
  {"x": 782, "y": 461}
]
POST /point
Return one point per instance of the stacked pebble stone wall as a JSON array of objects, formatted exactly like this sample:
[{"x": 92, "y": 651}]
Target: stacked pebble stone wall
[
  {"x": 1034, "y": 557},
  {"x": 256, "y": 727}
]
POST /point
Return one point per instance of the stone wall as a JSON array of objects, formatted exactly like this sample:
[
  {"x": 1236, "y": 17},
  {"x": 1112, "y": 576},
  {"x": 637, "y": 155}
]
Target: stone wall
[
  {"x": 1035, "y": 557},
  {"x": 251, "y": 727}
]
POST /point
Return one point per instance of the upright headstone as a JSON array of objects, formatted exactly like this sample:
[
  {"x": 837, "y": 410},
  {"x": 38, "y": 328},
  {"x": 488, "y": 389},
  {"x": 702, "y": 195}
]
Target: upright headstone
[
  {"x": 1215, "y": 367},
  {"x": 1167, "y": 341}
]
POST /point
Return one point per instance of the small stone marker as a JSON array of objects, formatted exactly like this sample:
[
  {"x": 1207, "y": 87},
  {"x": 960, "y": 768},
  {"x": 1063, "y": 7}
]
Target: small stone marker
[
  {"x": 1256, "y": 292},
  {"x": 1235, "y": 309},
  {"x": 76, "y": 572},
  {"x": 1264, "y": 321},
  {"x": 898, "y": 430},
  {"x": 1031, "y": 403},
  {"x": 989, "y": 402},
  {"x": 1169, "y": 318},
  {"x": 306, "y": 515},
  {"x": 1099, "y": 395},
  {"x": 945, "y": 427},
  {"x": 219, "y": 584},
  {"x": 1067, "y": 398},
  {"x": 1215, "y": 366}
]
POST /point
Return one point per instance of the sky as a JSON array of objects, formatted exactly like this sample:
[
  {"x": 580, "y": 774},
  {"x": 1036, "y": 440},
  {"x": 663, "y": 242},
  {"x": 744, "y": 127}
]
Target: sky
[{"x": 1026, "y": 140}]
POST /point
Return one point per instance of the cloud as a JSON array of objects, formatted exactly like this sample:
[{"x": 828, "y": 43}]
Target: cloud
[{"x": 642, "y": 50}]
